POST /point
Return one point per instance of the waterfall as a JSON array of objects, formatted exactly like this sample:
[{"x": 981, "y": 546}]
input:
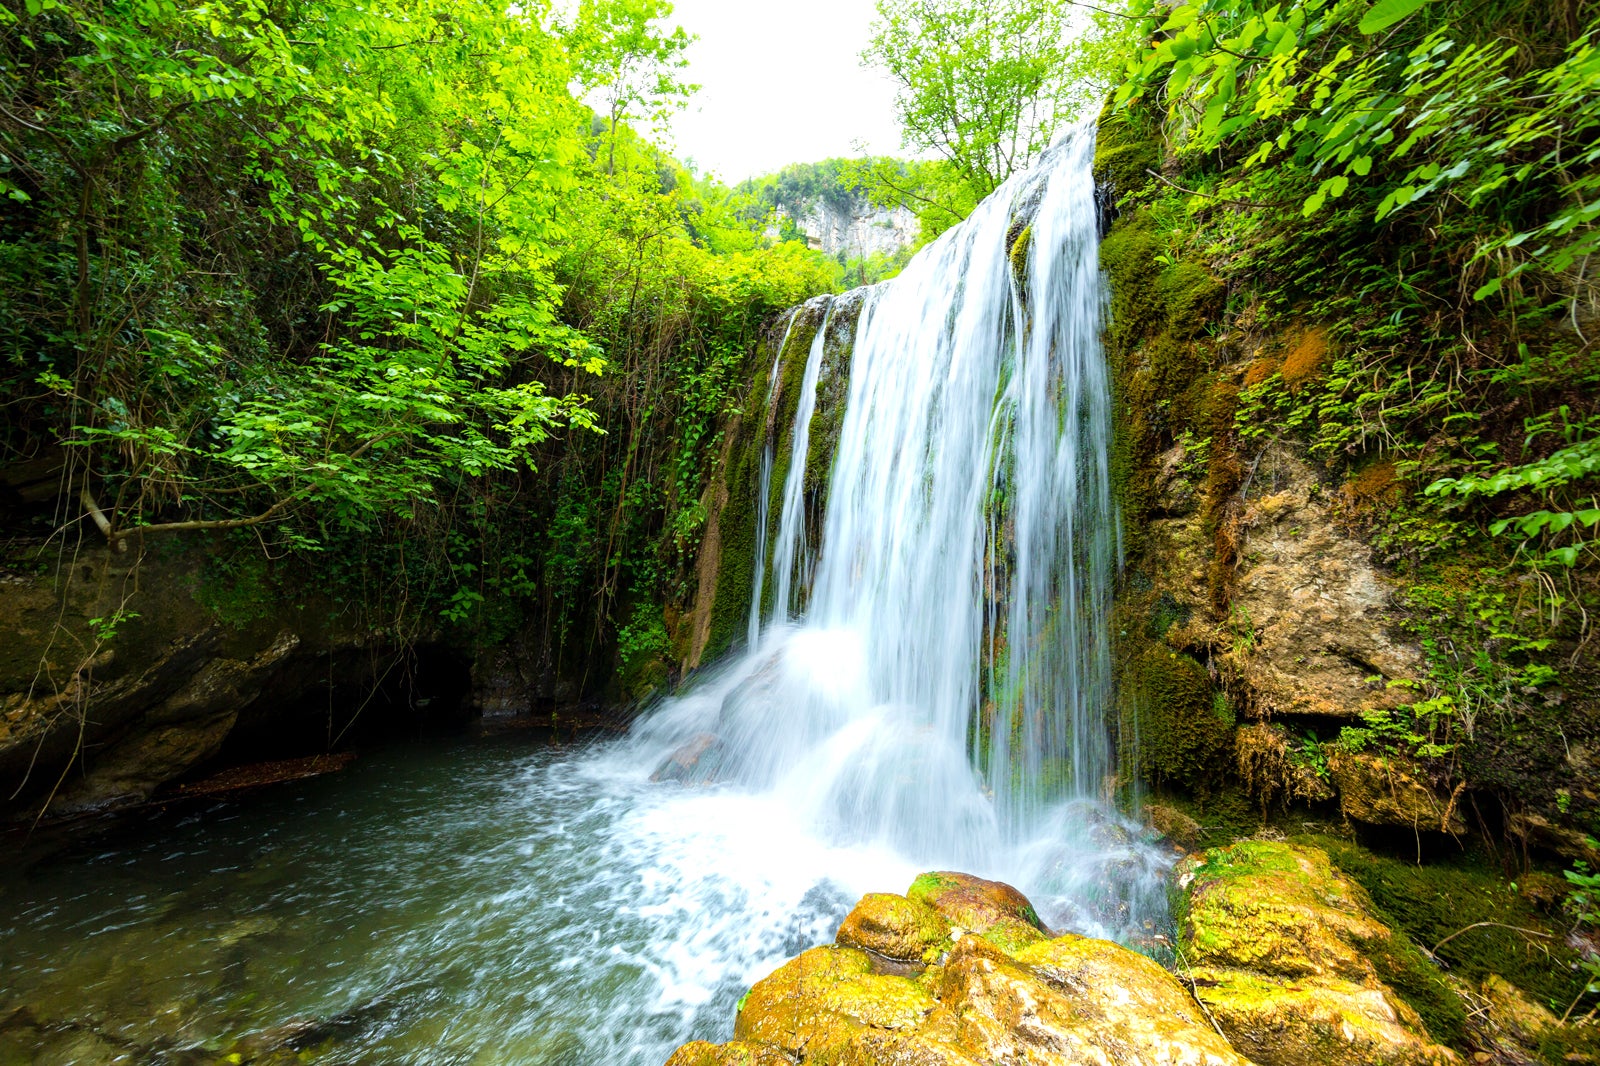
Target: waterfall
[{"x": 944, "y": 696}]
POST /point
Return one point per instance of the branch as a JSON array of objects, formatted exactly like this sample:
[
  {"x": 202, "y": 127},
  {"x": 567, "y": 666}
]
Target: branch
[
  {"x": 1114, "y": 14},
  {"x": 1496, "y": 925},
  {"x": 220, "y": 523},
  {"x": 100, "y": 519},
  {"x": 112, "y": 533},
  {"x": 128, "y": 139},
  {"x": 907, "y": 192},
  {"x": 1209, "y": 196}
]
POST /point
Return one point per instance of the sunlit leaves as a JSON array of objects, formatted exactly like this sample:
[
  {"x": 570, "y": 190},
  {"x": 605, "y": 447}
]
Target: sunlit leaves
[{"x": 1386, "y": 13}]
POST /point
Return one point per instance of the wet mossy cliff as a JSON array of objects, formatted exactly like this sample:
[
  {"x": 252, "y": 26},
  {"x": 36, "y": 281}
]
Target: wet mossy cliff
[
  {"x": 761, "y": 436},
  {"x": 1307, "y": 643},
  {"x": 1299, "y": 626}
]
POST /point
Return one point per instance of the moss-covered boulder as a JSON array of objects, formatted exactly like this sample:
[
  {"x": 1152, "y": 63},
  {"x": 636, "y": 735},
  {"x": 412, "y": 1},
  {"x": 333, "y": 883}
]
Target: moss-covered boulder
[
  {"x": 897, "y": 928},
  {"x": 733, "y": 1053},
  {"x": 1172, "y": 824},
  {"x": 915, "y": 998},
  {"x": 971, "y": 903},
  {"x": 1389, "y": 790},
  {"x": 1316, "y": 1021},
  {"x": 1289, "y": 959}
]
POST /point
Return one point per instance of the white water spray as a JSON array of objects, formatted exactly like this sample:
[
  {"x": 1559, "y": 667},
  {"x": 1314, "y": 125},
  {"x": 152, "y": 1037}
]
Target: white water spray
[{"x": 944, "y": 696}]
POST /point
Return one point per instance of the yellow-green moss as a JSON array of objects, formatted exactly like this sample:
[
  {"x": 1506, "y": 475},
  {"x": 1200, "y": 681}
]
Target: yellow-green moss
[
  {"x": 1021, "y": 248},
  {"x": 1170, "y": 707},
  {"x": 1433, "y": 901},
  {"x": 896, "y": 928},
  {"x": 1125, "y": 152}
]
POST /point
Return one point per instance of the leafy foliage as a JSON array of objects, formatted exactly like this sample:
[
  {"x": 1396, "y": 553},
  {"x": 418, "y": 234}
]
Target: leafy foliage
[
  {"x": 374, "y": 279},
  {"x": 1414, "y": 185},
  {"x": 984, "y": 86}
]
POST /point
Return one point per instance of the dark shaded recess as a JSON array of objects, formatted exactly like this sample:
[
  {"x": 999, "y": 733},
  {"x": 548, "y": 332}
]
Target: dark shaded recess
[{"x": 350, "y": 700}]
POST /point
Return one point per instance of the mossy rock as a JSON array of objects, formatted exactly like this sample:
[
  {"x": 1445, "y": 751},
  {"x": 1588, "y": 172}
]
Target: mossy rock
[
  {"x": 1315, "y": 1021},
  {"x": 1186, "y": 737},
  {"x": 1438, "y": 900},
  {"x": 1192, "y": 297},
  {"x": 1125, "y": 151},
  {"x": 1277, "y": 909},
  {"x": 1291, "y": 945},
  {"x": 973, "y": 904},
  {"x": 896, "y": 928},
  {"x": 733, "y": 1053},
  {"x": 1071, "y": 999}
]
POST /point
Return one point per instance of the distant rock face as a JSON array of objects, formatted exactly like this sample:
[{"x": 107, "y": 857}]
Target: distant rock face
[
  {"x": 958, "y": 973},
  {"x": 858, "y": 232}
]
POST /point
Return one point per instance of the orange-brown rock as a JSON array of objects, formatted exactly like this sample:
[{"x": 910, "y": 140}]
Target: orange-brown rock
[{"x": 1004, "y": 994}]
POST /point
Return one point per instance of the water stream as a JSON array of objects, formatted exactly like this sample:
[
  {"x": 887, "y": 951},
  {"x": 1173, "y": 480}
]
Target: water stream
[{"x": 941, "y": 701}]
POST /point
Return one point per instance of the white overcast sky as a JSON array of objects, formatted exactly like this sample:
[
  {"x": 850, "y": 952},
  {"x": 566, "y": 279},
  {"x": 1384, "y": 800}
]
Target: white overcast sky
[{"x": 781, "y": 82}]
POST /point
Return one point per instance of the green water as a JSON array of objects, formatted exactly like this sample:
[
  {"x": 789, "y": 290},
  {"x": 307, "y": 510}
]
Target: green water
[{"x": 465, "y": 902}]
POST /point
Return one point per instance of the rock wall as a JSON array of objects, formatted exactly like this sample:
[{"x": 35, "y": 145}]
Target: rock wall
[
  {"x": 123, "y": 671},
  {"x": 858, "y": 232},
  {"x": 1256, "y": 625}
]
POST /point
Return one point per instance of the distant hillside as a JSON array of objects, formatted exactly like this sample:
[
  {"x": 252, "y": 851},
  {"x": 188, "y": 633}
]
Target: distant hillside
[{"x": 826, "y": 204}]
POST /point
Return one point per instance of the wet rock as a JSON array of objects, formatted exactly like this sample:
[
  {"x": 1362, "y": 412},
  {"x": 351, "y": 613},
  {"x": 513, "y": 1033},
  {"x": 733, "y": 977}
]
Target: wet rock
[
  {"x": 896, "y": 928},
  {"x": 1388, "y": 790},
  {"x": 971, "y": 903},
  {"x": 1313, "y": 619},
  {"x": 1567, "y": 841},
  {"x": 128, "y": 712},
  {"x": 1279, "y": 945},
  {"x": 1514, "y": 1014},
  {"x": 1316, "y": 1021},
  {"x": 1061, "y": 1002},
  {"x": 1072, "y": 1000},
  {"x": 733, "y": 1053},
  {"x": 1172, "y": 824},
  {"x": 695, "y": 762}
]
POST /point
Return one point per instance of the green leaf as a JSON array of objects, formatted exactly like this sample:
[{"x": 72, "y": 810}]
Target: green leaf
[
  {"x": 1485, "y": 291},
  {"x": 1386, "y": 13}
]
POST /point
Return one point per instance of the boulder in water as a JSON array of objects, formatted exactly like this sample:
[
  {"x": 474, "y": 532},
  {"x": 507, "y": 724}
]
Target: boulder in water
[
  {"x": 971, "y": 903},
  {"x": 896, "y": 928},
  {"x": 694, "y": 762},
  {"x": 733, "y": 1053},
  {"x": 998, "y": 996}
]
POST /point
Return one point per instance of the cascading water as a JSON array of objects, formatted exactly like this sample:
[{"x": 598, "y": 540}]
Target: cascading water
[
  {"x": 968, "y": 550},
  {"x": 929, "y": 689}
]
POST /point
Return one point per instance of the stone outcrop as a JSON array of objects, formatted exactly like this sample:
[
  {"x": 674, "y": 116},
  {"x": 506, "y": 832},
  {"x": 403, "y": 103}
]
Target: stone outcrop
[
  {"x": 1388, "y": 790},
  {"x": 958, "y": 973},
  {"x": 1315, "y": 617},
  {"x": 119, "y": 674},
  {"x": 1279, "y": 948}
]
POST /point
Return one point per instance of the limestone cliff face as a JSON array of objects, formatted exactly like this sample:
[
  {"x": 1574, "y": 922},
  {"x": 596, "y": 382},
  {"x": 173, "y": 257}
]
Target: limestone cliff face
[{"x": 859, "y": 231}]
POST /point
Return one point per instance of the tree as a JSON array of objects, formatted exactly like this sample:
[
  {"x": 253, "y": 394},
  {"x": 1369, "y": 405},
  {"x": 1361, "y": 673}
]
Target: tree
[
  {"x": 625, "y": 59},
  {"x": 981, "y": 83},
  {"x": 984, "y": 86}
]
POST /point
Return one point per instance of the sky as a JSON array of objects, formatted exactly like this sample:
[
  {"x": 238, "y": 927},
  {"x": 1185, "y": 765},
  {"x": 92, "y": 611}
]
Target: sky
[{"x": 781, "y": 82}]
